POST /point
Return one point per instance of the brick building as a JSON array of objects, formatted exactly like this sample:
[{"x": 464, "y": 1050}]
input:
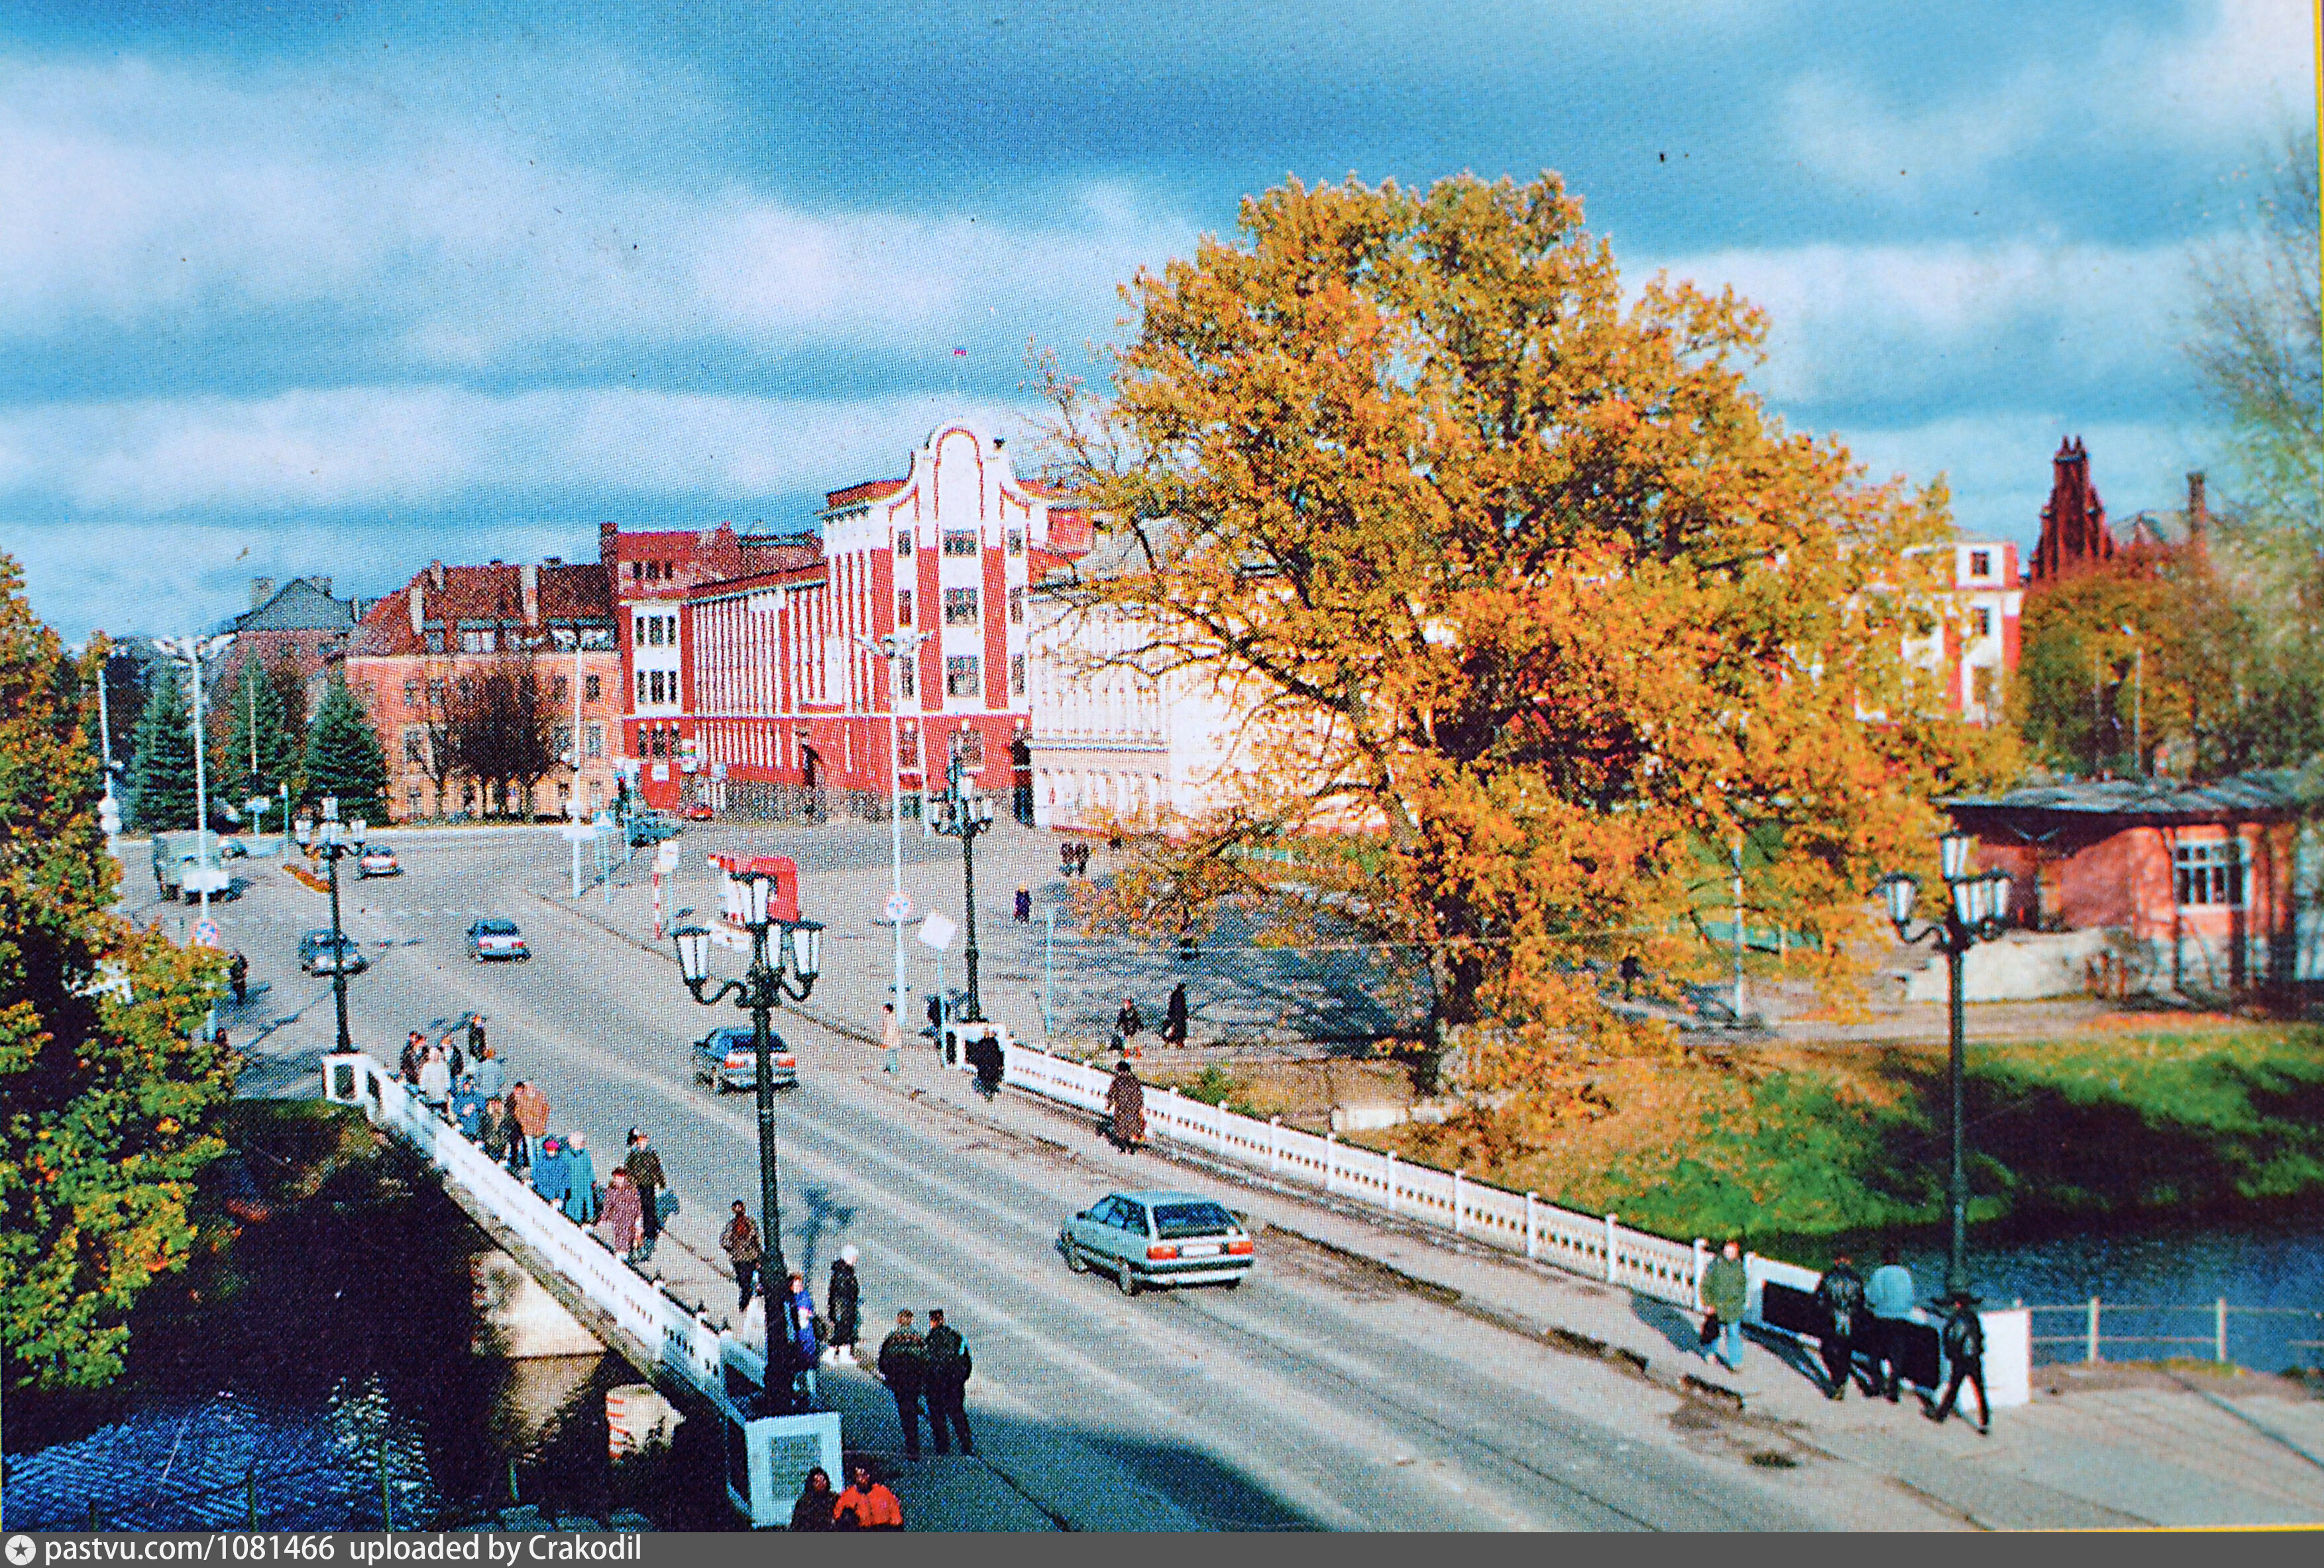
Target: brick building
[
  {"x": 418, "y": 647},
  {"x": 298, "y": 624},
  {"x": 1973, "y": 654}
]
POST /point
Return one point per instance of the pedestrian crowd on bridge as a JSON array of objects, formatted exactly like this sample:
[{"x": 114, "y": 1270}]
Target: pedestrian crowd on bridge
[{"x": 1870, "y": 1326}]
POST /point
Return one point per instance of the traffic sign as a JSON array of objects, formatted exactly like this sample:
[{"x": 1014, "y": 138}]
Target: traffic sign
[
  {"x": 898, "y": 909},
  {"x": 665, "y": 857},
  {"x": 206, "y": 880},
  {"x": 937, "y": 932},
  {"x": 205, "y": 933}
]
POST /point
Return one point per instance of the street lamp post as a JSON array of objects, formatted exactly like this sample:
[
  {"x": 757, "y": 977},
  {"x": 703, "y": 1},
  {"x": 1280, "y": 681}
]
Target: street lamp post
[
  {"x": 964, "y": 811},
  {"x": 895, "y": 647},
  {"x": 333, "y": 842},
  {"x": 799, "y": 958},
  {"x": 193, "y": 651},
  {"x": 2137, "y": 697},
  {"x": 1977, "y": 911}
]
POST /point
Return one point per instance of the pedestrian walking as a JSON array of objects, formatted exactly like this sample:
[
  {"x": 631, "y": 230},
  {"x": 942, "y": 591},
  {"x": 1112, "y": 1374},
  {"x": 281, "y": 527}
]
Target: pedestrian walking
[
  {"x": 866, "y": 1503},
  {"x": 1065, "y": 858},
  {"x": 435, "y": 1081},
  {"x": 1125, "y": 1101},
  {"x": 622, "y": 1225},
  {"x": 644, "y": 1166},
  {"x": 1127, "y": 1023},
  {"x": 843, "y": 1296},
  {"x": 799, "y": 1322},
  {"x": 1725, "y": 1291},
  {"x": 1889, "y": 1294},
  {"x": 816, "y": 1504},
  {"x": 1964, "y": 1342},
  {"x": 1174, "y": 1018},
  {"x": 1841, "y": 1294},
  {"x": 237, "y": 974},
  {"x": 745, "y": 1250},
  {"x": 549, "y": 1172},
  {"x": 948, "y": 1368},
  {"x": 530, "y": 1106},
  {"x": 580, "y": 1181},
  {"x": 492, "y": 1079},
  {"x": 476, "y": 1034},
  {"x": 903, "y": 1367},
  {"x": 1024, "y": 903},
  {"x": 1631, "y": 973},
  {"x": 891, "y": 1037},
  {"x": 1081, "y": 860},
  {"x": 985, "y": 1056}
]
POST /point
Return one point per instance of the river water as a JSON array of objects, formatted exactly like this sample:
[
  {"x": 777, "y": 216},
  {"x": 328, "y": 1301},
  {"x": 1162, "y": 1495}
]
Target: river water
[{"x": 329, "y": 1351}]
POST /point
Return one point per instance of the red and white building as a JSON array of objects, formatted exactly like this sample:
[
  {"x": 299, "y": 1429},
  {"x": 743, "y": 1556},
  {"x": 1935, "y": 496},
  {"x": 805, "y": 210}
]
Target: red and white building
[
  {"x": 746, "y": 662},
  {"x": 1972, "y": 655}
]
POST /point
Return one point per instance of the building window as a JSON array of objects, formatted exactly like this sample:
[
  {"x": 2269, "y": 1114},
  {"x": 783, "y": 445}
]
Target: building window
[
  {"x": 412, "y": 806},
  {"x": 2210, "y": 872},
  {"x": 1017, "y": 675},
  {"x": 960, "y": 606},
  {"x": 907, "y": 747},
  {"x": 904, "y": 543},
  {"x": 910, "y": 679},
  {"x": 477, "y": 641},
  {"x": 465, "y": 687},
  {"x": 968, "y": 745},
  {"x": 1016, "y": 606},
  {"x": 436, "y": 690},
  {"x": 434, "y": 642},
  {"x": 642, "y": 699},
  {"x": 1015, "y": 541},
  {"x": 1982, "y": 619},
  {"x": 558, "y": 689},
  {"x": 1980, "y": 564},
  {"x": 561, "y": 741},
  {"x": 960, "y": 542},
  {"x": 904, "y": 608},
  {"x": 960, "y": 675},
  {"x": 411, "y": 694},
  {"x": 592, "y": 744},
  {"x": 1983, "y": 682},
  {"x": 589, "y": 688},
  {"x": 415, "y": 746}
]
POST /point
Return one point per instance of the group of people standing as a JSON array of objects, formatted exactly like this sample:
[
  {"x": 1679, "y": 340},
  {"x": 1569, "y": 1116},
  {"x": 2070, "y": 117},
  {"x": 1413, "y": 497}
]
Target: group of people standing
[
  {"x": 1075, "y": 855},
  {"x": 1129, "y": 1023},
  {"x": 1868, "y": 1319}
]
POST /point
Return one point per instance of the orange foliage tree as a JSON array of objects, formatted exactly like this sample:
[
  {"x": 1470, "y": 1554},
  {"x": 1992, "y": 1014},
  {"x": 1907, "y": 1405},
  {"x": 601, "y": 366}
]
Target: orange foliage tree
[{"x": 1525, "y": 603}]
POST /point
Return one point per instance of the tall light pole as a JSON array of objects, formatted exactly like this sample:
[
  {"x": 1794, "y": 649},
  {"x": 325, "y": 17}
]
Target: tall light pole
[
  {"x": 193, "y": 651},
  {"x": 2137, "y": 697},
  {"x": 1977, "y": 911},
  {"x": 334, "y": 842},
  {"x": 895, "y": 647},
  {"x": 799, "y": 958},
  {"x": 963, "y": 812}
]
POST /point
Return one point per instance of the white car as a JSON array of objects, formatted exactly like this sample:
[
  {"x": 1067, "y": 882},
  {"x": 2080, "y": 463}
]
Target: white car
[
  {"x": 496, "y": 938},
  {"x": 378, "y": 860}
]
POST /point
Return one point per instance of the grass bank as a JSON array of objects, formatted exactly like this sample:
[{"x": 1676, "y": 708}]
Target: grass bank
[{"x": 2223, "y": 1120}]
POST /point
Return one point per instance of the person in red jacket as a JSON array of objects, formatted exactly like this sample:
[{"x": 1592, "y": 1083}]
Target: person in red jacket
[{"x": 867, "y": 1504}]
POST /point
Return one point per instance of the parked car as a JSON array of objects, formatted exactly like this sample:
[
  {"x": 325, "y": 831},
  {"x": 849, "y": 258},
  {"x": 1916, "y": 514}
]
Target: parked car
[
  {"x": 1158, "y": 1238},
  {"x": 316, "y": 956},
  {"x": 496, "y": 938},
  {"x": 378, "y": 860},
  {"x": 724, "y": 1059},
  {"x": 699, "y": 812},
  {"x": 651, "y": 827},
  {"x": 176, "y": 854}
]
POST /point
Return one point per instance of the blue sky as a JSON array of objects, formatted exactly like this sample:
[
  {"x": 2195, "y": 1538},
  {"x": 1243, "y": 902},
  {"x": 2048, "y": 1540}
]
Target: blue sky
[{"x": 341, "y": 288}]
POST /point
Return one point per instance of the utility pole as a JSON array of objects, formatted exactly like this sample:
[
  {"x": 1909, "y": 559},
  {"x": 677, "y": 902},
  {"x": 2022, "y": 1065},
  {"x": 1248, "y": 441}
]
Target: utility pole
[
  {"x": 895, "y": 647},
  {"x": 1738, "y": 932},
  {"x": 193, "y": 651}
]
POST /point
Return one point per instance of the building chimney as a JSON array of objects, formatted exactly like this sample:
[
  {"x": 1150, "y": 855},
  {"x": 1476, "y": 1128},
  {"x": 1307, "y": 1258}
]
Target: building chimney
[
  {"x": 261, "y": 590},
  {"x": 418, "y": 598},
  {"x": 528, "y": 580},
  {"x": 436, "y": 576},
  {"x": 2199, "y": 509},
  {"x": 322, "y": 585},
  {"x": 552, "y": 560}
]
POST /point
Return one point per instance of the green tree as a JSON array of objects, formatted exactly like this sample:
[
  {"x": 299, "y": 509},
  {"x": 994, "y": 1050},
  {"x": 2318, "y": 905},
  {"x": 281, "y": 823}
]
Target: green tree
[
  {"x": 249, "y": 722},
  {"x": 106, "y": 1105},
  {"x": 1525, "y": 595},
  {"x": 161, "y": 774},
  {"x": 344, "y": 757}
]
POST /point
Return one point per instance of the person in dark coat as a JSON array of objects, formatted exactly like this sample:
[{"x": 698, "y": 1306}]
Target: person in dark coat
[
  {"x": 1726, "y": 1292},
  {"x": 237, "y": 974},
  {"x": 1024, "y": 903},
  {"x": 1125, "y": 1099},
  {"x": 844, "y": 1298},
  {"x": 413, "y": 1055},
  {"x": 744, "y": 1251},
  {"x": 1174, "y": 1019},
  {"x": 475, "y": 1036},
  {"x": 948, "y": 1368},
  {"x": 1964, "y": 1341},
  {"x": 1841, "y": 1294},
  {"x": 813, "y": 1511},
  {"x": 984, "y": 1055},
  {"x": 1128, "y": 1022},
  {"x": 644, "y": 1166},
  {"x": 903, "y": 1366}
]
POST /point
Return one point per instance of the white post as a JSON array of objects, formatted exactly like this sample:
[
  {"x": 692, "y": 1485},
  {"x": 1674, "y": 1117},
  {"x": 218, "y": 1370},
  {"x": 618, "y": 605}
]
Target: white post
[
  {"x": 1273, "y": 1144},
  {"x": 1390, "y": 1198},
  {"x": 1532, "y": 1250},
  {"x": 1458, "y": 1178},
  {"x": 2219, "y": 1351},
  {"x": 1610, "y": 1250},
  {"x": 1331, "y": 1146},
  {"x": 1701, "y": 1262},
  {"x": 201, "y": 781},
  {"x": 2090, "y": 1348}
]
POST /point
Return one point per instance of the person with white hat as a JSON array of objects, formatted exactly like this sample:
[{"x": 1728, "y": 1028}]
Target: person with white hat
[{"x": 844, "y": 1300}]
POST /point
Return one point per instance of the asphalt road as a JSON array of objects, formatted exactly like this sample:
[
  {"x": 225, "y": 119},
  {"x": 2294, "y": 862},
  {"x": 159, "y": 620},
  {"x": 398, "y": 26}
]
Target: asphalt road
[{"x": 1316, "y": 1396}]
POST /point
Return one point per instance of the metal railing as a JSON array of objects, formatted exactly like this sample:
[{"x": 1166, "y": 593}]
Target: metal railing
[{"x": 2092, "y": 1335}]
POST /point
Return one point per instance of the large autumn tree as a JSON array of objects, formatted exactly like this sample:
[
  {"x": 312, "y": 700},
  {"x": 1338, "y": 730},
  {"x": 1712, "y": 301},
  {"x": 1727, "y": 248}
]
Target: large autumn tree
[
  {"x": 107, "y": 1101},
  {"x": 1527, "y": 599}
]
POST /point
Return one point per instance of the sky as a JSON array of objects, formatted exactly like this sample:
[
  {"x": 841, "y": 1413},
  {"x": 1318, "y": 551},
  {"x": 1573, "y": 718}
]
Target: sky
[{"x": 340, "y": 289}]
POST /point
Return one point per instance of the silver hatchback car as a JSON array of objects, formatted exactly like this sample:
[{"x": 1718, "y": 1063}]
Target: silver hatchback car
[{"x": 1158, "y": 1238}]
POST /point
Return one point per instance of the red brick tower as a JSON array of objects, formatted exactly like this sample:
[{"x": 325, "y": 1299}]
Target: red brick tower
[{"x": 2074, "y": 533}]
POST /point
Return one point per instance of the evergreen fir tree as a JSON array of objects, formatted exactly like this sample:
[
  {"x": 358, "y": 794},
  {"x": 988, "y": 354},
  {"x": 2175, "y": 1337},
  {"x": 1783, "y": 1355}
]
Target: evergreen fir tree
[
  {"x": 252, "y": 708},
  {"x": 344, "y": 757},
  {"x": 161, "y": 774}
]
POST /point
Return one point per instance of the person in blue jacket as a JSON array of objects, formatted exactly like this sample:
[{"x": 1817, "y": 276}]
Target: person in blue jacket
[
  {"x": 549, "y": 1172},
  {"x": 580, "y": 1181},
  {"x": 1890, "y": 1295},
  {"x": 799, "y": 1322}
]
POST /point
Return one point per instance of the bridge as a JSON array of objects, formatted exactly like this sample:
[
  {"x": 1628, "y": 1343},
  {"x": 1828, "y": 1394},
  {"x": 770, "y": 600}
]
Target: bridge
[{"x": 682, "y": 1351}]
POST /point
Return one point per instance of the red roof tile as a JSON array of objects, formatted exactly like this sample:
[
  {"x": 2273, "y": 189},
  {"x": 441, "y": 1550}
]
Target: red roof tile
[
  {"x": 869, "y": 490},
  {"x": 480, "y": 594}
]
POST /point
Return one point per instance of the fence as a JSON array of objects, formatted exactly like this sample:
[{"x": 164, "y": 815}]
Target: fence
[{"x": 2090, "y": 1336}]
